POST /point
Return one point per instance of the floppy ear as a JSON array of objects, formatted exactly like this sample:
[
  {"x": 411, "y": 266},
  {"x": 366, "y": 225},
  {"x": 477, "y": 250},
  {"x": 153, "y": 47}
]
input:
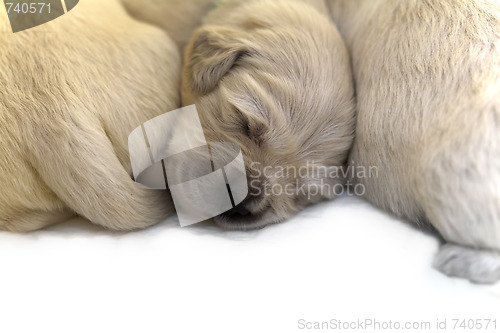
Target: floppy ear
[{"x": 211, "y": 54}]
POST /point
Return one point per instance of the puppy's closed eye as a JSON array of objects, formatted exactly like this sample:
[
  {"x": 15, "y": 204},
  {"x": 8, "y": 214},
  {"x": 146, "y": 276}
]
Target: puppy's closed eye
[
  {"x": 257, "y": 133},
  {"x": 254, "y": 126}
]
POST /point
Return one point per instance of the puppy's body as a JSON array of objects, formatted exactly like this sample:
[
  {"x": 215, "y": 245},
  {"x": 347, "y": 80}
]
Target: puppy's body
[
  {"x": 70, "y": 93},
  {"x": 273, "y": 77},
  {"x": 428, "y": 87}
]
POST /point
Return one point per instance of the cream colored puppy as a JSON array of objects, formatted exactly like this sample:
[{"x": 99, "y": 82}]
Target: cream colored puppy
[
  {"x": 71, "y": 91},
  {"x": 273, "y": 76},
  {"x": 428, "y": 87}
]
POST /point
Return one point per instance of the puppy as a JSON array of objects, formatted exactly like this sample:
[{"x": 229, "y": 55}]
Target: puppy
[
  {"x": 273, "y": 77},
  {"x": 71, "y": 91},
  {"x": 427, "y": 78}
]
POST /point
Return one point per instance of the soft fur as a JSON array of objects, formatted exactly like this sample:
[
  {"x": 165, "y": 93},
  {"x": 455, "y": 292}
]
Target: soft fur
[
  {"x": 179, "y": 18},
  {"x": 273, "y": 76},
  {"x": 427, "y": 78},
  {"x": 70, "y": 93}
]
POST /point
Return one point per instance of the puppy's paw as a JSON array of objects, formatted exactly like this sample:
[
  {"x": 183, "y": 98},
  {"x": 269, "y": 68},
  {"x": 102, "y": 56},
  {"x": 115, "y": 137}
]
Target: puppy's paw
[{"x": 478, "y": 266}]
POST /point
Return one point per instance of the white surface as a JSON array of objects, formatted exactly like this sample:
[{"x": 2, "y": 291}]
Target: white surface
[{"x": 339, "y": 260}]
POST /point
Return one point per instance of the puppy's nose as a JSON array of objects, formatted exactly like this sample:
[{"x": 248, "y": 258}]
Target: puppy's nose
[{"x": 238, "y": 211}]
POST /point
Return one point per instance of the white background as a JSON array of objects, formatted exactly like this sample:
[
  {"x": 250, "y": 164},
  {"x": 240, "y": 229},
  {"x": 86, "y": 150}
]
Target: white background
[{"x": 339, "y": 260}]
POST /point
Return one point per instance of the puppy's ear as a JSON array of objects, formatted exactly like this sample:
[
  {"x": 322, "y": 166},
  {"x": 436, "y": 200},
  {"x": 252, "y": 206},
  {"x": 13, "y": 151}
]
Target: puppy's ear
[{"x": 213, "y": 51}]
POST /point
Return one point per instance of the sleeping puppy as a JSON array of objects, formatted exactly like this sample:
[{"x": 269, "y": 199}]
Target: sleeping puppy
[
  {"x": 71, "y": 91},
  {"x": 273, "y": 77},
  {"x": 427, "y": 78}
]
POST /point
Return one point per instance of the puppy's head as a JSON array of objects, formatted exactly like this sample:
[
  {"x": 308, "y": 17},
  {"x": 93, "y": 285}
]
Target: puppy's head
[{"x": 285, "y": 96}]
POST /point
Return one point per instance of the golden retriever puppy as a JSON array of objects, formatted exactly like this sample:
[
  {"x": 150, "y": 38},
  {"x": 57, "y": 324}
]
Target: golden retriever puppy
[
  {"x": 427, "y": 79},
  {"x": 273, "y": 77},
  {"x": 71, "y": 91}
]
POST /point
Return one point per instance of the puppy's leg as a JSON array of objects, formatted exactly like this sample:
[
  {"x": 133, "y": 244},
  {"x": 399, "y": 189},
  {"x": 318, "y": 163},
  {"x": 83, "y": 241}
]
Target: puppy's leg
[
  {"x": 480, "y": 266},
  {"x": 460, "y": 194},
  {"x": 473, "y": 249},
  {"x": 77, "y": 162},
  {"x": 471, "y": 228}
]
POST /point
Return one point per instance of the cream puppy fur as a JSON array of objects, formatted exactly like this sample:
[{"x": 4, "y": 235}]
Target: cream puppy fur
[
  {"x": 70, "y": 93},
  {"x": 274, "y": 77},
  {"x": 428, "y": 87},
  {"x": 179, "y": 18}
]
